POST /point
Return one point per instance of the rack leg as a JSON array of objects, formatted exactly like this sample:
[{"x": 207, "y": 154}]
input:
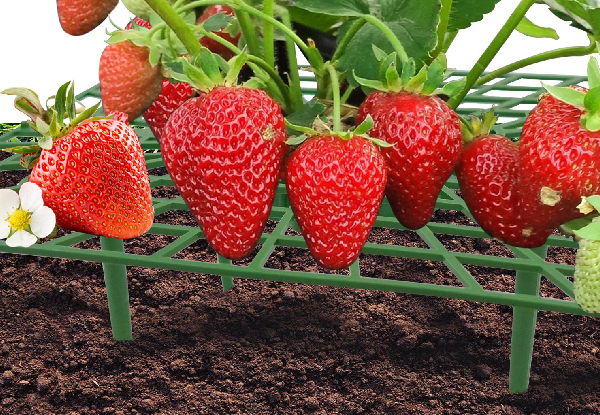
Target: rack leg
[
  {"x": 226, "y": 281},
  {"x": 523, "y": 329},
  {"x": 115, "y": 279}
]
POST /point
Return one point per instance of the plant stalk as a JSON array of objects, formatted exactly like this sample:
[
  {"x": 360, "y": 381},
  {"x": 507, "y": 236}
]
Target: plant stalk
[
  {"x": 544, "y": 56},
  {"x": 448, "y": 41},
  {"x": 442, "y": 28},
  {"x": 491, "y": 51},
  {"x": 343, "y": 44},
  {"x": 337, "y": 109},
  {"x": 295, "y": 89},
  {"x": 247, "y": 28},
  {"x": 177, "y": 24},
  {"x": 390, "y": 35},
  {"x": 268, "y": 33}
]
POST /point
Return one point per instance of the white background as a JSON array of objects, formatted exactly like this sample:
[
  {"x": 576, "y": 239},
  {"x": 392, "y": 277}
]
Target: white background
[{"x": 36, "y": 53}]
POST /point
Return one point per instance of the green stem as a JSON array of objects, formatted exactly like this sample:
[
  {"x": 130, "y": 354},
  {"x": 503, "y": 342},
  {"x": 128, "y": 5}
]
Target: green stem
[
  {"x": 177, "y": 24},
  {"x": 268, "y": 33},
  {"x": 295, "y": 90},
  {"x": 337, "y": 109},
  {"x": 544, "y": 56},
  {"x": 448, "y": 41},
  {"x": 442, "y": 27},
  {"x": 248, "y": 29},
  {"x": 347, "y": 94},
  {"x": 491, "y": 51},
  {"x": 389, "y": 34},
  {"x": 343, "y": 44}
]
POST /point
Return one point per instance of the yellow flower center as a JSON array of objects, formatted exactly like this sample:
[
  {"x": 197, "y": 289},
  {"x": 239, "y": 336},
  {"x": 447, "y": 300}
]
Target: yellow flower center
[{"x": 19, "y": 219}]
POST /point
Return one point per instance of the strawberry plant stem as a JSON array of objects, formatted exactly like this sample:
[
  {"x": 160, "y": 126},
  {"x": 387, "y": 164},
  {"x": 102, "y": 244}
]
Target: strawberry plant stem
[
  {"x": 295, "y": 90},
  {"x": 491, "y": 51},
  {"x": 343, "y": 44},
  {"x": 177, "y": 24},
  {"x": 248, "y": 29},
  {"x": 335, "y": 85},
  {"x": 268, "y": 32},
  {"x": 448, "y": 40},
  {"x": 442, "y": 28},
  {"x": 389, "y": 34},
  {"x": 544, "y": 56}
]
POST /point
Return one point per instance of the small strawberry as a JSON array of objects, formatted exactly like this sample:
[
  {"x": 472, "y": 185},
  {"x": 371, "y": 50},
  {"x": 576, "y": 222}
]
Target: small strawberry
[
  {"x": 560, "y": 152},
  {"x": 224, "y": 152},
  {"x": 488, "y": 178},
  {"x": 212, "y": 45},
  {"x": 586, "y": 283},
  {"x": 78, "y": 17},
  {"x": 140, "y": 22},
  {"x": 92, "y": 171},
  {"x": 335, "y": 186},
  {"x": 425, "y": 134},
  {"x": 129, "y": 83}
]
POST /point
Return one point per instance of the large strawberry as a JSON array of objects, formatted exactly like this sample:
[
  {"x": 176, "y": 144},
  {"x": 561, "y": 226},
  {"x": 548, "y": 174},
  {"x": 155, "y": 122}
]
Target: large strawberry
[
  {"x": 213, "y": 45},
  {"x": 129, "y": 83},
  {"x": 224, "y": 151},
  {"x": 489, "y": 182},
  {"x": 426, "y": 139},
  {"x": 78, "y": 17},
  {"x": 335, "y": 186},
  {"x": 92, "y": 171}
]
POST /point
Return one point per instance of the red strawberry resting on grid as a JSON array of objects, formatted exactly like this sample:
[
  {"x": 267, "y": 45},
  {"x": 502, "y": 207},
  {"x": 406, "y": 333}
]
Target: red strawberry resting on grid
[
  {"x": 92, "y": 172},
  {"x": 560, "y": 157},
  {"x": 335, "y": 187},
  {"x": 424, "y": 133},
  {"x": 78, "y": 17},
  {"x": 488, "y": 176},
  {"x": 224, "y": 152}
]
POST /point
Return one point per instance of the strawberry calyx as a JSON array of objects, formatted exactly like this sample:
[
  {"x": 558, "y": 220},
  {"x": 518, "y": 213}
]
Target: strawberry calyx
[
  {"x": 477, "y": 127},
  {"x": 322, "y": 128},
  {"x": 425, "y": 82},
  {"x": 50, "y": 123},
  {"x": 587, "y": 101}
]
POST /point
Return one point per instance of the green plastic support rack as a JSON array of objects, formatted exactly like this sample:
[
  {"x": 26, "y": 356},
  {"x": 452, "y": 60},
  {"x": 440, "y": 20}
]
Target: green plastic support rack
[{"x": 528, "y": 264}]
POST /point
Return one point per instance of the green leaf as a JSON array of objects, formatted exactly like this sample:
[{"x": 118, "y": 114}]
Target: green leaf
[
  {"x": 369, "y": 83},
  {"x": 206, "y": 60},
  {"x": 583, "y": 14},
  {"x": 87, "y": 113},
  {"x": 217, "y": 22},
  {"x": 42, "y": 127},
  {"x": 380, "y": 55},
  {"x": 465, "y": 12},
  {"x": 306, "y": 115},
  {"x": 565, "y": 94},
  {"x": 334, "y": 7},
  {"x": 571, "y": 227},
  {"x": 528, "y": 28},
  {"x": 408, "y": 70},
  {"x": 594, "y": 201},
  {"x": 321, "y": 22},
  {"x": 60, "y": 102},
  {"x": 296, "y": 140},
  {"x": 386, "y": 63},
  {"x": 591, "y": 122},
  {"x": 28, "y": 94},
  {"x": 435, "y": 76},
  {"x": 45, "y": 142},
  {"x": 392, "y": 78},
  {"x": 592, "y": 100},
  {"x": 593, "y": 73},
  {"x": 22, "y": 149},
  {"x": 453, "y": 87},
  {"x": 591, "y": 231},
  {"x": 365, "y": 126},
  {"x": 413, "y": 22},
  {"x": 71, "y": 102}
]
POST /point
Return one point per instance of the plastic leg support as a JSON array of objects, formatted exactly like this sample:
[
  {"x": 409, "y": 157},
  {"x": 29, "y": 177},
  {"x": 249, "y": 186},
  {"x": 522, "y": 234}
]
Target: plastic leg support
[
  {"x": 523, "y": 329},
  {"x": 115, "y": 279},
  {"x": 226, "y": 281}
]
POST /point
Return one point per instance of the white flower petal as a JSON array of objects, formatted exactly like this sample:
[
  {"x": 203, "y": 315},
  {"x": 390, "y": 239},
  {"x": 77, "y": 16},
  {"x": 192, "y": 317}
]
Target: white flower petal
[
  {"x": 21, "y": 238},
  {"x": 9, "y": 200},
  {"x": 42, "y": 222},
  {"x": 31, "y": 197},
  {"x": 4, "y": 229}
]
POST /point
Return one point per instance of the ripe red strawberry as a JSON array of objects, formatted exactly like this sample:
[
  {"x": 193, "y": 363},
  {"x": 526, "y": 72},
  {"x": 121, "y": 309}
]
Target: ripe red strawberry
[
  {"x": 224, "y": 151},
  {"x": 170, "y": 98},
  {"x": 140, "y": 22},
  {"x": 489, "y": 182},
  {"x": 128, "y": 82},
  {"x": 78, "y": 17},
  {"x": 95, "y": 180},
  {"x": 426, "y": 139},
  {"x": 212, "y": 45},
  {"x": 335, "y": 188},
  {"x": 560, "y": 161}
]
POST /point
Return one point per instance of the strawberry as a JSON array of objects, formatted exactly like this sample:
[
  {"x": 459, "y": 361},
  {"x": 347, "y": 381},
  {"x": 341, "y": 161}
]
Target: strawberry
[
  {"x": 78, "y": 17},
  {"x": 170, "y": 98},
  {"x": 335, "y": 187},
  {"x": 224, "y": 152},
  {"x": 212, "y": 45},
  {"x": 488, "y": 178},
  {"x": 559, "y": 159},
  {"x": 92, "y": 171},
  {"x": 424, "y": 131},
  {"x": 128, "y": 82},
  {"x": 586, "y": 283}
]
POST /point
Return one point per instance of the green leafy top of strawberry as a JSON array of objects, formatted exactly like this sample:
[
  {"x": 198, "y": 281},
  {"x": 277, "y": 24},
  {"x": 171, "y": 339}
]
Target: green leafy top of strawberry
[
  {"x": 50, "y": 123},
  {"x": 586, "y": 227},
  {"x": 425, "y": 82},
  {"x": 477, "y": 127},
  {"x": 588, "y": 102}
]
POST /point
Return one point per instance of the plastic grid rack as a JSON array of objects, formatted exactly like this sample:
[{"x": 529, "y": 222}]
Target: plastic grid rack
[{"x": 529, "y": 264}]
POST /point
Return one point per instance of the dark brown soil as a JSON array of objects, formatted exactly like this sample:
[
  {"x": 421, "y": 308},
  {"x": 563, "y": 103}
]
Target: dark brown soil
[{"x": 277, "y": 348}]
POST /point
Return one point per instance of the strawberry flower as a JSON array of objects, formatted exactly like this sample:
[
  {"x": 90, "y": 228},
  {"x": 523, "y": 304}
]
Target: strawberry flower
[{"x": 23, "y": 216}]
